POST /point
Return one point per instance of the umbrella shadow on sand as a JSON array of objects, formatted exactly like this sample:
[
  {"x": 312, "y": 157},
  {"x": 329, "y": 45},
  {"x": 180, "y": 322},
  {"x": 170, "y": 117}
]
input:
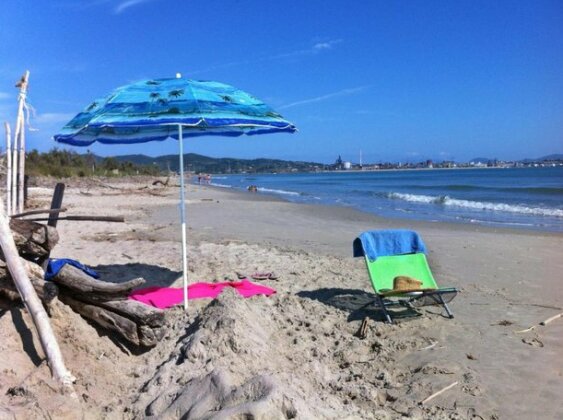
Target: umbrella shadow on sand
[
  {"x": 153, "y": 274},
  {"x": 358, "y": 303}
]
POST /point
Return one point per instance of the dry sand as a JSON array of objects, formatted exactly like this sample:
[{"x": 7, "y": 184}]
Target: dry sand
[{"x": 295, "y": 354}]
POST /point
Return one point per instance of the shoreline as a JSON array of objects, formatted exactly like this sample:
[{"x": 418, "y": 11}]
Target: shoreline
[
  {"x": 519, "y": 199},
  {"x": 386, "y": 219}
]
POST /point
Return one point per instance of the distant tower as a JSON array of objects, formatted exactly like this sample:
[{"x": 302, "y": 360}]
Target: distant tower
[{"x": 360, "y": 158}]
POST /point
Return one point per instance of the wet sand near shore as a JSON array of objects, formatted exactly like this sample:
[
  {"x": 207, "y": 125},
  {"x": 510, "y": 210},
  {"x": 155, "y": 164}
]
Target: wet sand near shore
[{"x": 299, "y": 348}]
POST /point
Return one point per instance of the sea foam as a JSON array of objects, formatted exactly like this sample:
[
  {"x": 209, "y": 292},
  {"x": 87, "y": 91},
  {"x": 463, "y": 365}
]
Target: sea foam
[
  {"x": 273, "y": 191},
  {"x": 476, "y": 205}
]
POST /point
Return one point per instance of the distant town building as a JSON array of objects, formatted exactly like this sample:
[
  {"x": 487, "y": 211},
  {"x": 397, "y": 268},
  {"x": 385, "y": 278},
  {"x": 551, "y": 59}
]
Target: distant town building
[
  {"x": 338, "y": 165},
  {"x": 347, "y": 165}
]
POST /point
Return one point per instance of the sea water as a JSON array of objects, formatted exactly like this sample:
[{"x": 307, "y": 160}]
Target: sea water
[{"x": 529, "y": 198}]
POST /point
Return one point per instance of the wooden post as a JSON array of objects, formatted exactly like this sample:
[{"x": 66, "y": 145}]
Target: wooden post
[
  {"x": 56, "y": 203},
  {"x": 21, "y": 164},
  {"x": 33, "y": 304},
  {"x": 25, "y": 190},
  {"x": 20, "y": 135},
  {"x": 8, "y": 169},
  {"x": 14, "y": 180}
]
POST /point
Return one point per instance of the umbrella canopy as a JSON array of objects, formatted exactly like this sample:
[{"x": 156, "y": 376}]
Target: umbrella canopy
[
  {"x": 151, "y": 110},
  {"x": 154, "y": 110}
]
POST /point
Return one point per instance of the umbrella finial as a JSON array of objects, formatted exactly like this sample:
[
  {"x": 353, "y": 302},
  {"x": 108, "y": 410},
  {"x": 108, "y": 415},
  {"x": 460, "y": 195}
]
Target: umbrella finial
[{"x": 178, "y": 75}]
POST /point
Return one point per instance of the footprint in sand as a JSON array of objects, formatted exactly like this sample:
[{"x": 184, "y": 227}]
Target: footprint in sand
[{"x": 532, "y": 342}]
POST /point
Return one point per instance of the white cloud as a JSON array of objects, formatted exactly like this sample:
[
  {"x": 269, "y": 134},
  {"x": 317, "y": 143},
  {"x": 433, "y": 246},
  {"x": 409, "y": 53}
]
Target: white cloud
[
  {"x": 321, "y": 46},
  {"x": 343, "y": 92},
  {"x": 121, "y": 7},
  {"x": 4, "y": 95},
  {"x": 315, "y": 49}
]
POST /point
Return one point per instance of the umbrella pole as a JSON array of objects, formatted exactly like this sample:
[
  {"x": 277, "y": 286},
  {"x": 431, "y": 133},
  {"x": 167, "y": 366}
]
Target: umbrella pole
[{"x": 183, "y": 219}]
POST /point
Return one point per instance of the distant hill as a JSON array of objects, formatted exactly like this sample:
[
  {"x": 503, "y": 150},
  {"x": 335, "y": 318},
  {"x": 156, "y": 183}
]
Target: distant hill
[
  {"x": 556, "y": 156},
  {"x": 137, "y": 159},
  {"x": 199, "y": 163}
]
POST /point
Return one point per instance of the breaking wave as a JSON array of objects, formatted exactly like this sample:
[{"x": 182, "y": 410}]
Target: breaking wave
[
  {"x": 468, "y": 187},
  {"x": 476, "y": 205},
  {"x": 274, "y": 191}
]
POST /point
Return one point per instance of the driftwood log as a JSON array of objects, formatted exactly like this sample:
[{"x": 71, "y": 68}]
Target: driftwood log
[
  {"x": 103, "y": 303},
  {"x": 39, "y": 211},
  {"x": 33, "y": 240},
  {"x": 76, "y": 282},
  {"x": 135, "y": 331},
  {"x": 106, "y": 304},
  {"x": 46, "y": 290},
  {"x": 116, "y": 219},
  {"x": 139, "y": 312}
]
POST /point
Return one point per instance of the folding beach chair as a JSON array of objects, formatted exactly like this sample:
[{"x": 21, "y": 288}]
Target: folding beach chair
[{"x": 392, "y": 253}]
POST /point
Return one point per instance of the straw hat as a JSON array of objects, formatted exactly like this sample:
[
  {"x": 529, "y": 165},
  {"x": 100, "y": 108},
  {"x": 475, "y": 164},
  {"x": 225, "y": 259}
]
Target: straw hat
[{"x": 405, "y": 284}]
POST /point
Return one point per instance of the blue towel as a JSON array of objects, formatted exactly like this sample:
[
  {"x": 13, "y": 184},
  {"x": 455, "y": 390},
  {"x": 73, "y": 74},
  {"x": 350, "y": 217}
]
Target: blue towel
[
  {"x": 379, "y": 243},
  {"x": 55, "y": 265}
]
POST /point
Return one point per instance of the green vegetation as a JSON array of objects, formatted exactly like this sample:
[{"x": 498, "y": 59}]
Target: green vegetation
[
  {"x": 210, "y": 165},
  {"x": 65, "y": 163}
]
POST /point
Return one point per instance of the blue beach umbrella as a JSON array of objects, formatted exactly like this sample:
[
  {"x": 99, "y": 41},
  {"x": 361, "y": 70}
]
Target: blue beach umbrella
[{"x": 155, "y": 110}]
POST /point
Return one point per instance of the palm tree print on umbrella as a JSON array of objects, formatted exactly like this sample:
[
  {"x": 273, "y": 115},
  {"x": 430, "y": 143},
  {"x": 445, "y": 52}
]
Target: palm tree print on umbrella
[{"x": 176, "y": 93}]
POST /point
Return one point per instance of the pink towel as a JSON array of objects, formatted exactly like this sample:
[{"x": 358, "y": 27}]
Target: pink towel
[{"x": 164, "y": 297}]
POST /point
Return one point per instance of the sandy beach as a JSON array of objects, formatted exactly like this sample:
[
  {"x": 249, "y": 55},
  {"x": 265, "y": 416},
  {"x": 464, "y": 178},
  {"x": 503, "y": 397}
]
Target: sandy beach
[{"x": 295, "y": 354}]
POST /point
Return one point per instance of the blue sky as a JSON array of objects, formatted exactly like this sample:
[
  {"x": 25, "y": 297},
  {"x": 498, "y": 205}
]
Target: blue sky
[{"x": 399, "y": 80}]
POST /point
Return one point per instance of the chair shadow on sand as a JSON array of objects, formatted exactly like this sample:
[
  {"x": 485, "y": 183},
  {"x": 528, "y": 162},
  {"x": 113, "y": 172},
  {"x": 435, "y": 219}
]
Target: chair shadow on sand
[
  {"x": 154, "y": 275},
  {"x": 358, "y": 303}
]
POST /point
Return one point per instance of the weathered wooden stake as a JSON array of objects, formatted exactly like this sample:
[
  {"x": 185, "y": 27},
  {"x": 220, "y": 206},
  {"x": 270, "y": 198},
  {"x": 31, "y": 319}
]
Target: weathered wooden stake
[
  {"x": 21, "y": 165},
  {"x": 25, "y": 189},
  {"x": 20, "y": 132},
  {"x": 33, "y": 304},
  {"x": 8, "y": 168},
  {"x": 14, "y": 180},
  {"x": 56, "y": 203}
]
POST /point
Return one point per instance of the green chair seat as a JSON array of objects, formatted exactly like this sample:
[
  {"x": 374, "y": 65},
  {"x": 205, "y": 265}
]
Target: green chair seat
[{"x": 383, "y": 270}]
